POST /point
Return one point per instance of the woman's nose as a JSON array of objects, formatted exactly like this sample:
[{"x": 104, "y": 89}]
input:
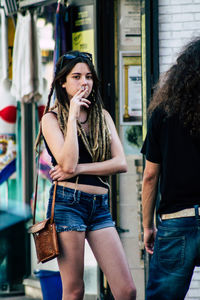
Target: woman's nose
[{"x": 84, "y": 81}]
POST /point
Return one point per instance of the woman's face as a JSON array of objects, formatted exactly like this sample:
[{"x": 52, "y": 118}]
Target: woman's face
[{"x": 80, "y": 77}]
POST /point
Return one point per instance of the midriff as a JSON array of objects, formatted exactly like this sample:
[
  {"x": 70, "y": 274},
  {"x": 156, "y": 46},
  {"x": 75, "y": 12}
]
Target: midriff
[{"x": 84, "y": 187}]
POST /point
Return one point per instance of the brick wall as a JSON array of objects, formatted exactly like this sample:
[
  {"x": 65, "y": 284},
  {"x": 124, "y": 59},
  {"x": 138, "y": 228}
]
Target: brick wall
[{"x": 179, "y": 22}]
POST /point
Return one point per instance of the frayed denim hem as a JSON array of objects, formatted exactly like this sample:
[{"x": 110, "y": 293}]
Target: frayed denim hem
[
  {"x": 60, "y": 228},
  {"x": 101, "y": 226}
]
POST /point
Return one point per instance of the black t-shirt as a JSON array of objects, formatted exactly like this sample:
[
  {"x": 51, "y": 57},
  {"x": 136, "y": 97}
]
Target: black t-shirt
[{"x": 169, "y": 144}]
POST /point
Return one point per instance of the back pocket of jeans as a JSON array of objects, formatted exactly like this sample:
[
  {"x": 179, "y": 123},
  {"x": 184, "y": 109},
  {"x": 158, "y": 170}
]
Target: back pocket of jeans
[{"x": 171, "y": 251}]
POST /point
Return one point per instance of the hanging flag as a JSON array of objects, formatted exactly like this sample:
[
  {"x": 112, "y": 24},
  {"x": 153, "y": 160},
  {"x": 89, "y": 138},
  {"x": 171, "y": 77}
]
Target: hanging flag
[
  {"x": 27, "y": 84},
  {"x": 60, "y": 31},
  {"x": 8, "y": 113},
  {"x": 7, "y": 156}
]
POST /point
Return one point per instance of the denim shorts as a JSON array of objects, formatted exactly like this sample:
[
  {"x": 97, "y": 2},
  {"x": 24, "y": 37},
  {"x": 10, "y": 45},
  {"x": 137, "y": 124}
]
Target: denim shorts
[{"x": 79, "y": 211}]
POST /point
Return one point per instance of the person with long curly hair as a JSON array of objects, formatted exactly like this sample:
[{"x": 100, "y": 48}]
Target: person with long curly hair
[
  {"x": 85, "y": 148},
  {"x": 172, "y": 150}
]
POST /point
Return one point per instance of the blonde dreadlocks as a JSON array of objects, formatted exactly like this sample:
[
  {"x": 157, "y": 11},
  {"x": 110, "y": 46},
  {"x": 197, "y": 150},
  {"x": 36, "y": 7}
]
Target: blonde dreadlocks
[{"x": 98, "y": 144}]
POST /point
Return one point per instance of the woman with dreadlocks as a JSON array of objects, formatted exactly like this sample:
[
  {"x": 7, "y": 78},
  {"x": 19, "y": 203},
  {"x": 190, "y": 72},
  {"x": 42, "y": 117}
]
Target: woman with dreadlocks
[{"x": 85, "y": 148}]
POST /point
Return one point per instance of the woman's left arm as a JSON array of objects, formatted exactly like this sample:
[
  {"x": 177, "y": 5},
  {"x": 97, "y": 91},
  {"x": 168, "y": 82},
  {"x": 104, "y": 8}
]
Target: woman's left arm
[{"x": 117, "y": 163}]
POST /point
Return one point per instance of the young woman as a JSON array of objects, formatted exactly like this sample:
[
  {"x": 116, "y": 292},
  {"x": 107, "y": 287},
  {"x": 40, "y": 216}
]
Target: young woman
[{"x": 85, "y": 148}]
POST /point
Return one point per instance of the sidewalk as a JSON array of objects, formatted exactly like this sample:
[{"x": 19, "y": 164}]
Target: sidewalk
[{"x": 19, "y": 298}]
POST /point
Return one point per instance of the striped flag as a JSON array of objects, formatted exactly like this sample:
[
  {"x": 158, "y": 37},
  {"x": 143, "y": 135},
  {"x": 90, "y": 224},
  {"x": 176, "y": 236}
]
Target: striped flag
[{"x": 10, "y": 6}]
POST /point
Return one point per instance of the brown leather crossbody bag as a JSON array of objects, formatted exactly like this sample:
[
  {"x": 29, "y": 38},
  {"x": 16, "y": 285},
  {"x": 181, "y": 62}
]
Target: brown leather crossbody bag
[{"x": 44, "y": 232}]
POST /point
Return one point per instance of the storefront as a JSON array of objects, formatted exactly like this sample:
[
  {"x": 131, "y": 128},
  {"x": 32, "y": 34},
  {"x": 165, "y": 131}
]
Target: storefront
[{"x": 54, "y": 29}]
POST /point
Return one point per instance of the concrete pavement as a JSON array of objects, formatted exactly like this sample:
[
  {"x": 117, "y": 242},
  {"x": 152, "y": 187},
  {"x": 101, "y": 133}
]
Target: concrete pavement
[{"x": 19, "y": 298}]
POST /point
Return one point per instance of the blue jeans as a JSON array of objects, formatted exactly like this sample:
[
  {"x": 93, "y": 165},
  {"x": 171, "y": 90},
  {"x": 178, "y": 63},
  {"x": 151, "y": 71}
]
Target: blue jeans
[
  {"x": 176, "y": 253},
  {"x": 79, "y": 211}
]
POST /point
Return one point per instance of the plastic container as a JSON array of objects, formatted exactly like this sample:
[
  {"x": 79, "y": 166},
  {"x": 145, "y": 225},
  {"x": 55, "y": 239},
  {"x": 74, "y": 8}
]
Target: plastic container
[{"x": 51, "y": 284}]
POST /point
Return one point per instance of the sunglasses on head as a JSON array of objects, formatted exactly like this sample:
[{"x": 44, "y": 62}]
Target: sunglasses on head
[{"x": 70, "y": 56}]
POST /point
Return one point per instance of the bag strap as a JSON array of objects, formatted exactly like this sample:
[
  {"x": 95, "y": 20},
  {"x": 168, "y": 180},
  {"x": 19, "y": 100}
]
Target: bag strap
[
  {"x": 36, "y": 192},
  {"x": 53, "y": 202}
]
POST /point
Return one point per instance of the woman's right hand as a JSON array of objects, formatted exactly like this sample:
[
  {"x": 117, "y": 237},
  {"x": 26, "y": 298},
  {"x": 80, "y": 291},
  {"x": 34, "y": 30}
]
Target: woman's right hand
[
  {"x": 57, "y": 173},
  {"x": 76, "y": 102}
]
